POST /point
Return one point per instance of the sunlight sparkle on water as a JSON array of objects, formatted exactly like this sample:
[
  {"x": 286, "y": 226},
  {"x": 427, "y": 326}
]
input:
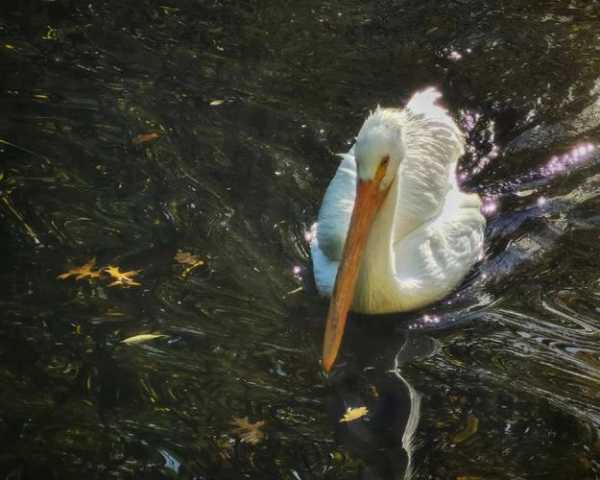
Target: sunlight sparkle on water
[
  {"x": 560, "y": 163},
  {"x": 489, "y": 206},
  {"x": 469, "y": 119},
  {"x": 470, "y": 123},
  {"x": 426, "y": 321},
  {"x": 297, "y": 272}
]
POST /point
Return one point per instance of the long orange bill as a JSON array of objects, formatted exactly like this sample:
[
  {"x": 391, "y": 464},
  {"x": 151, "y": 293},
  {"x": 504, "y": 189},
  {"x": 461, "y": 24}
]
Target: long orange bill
[{"x": 369, "y": 198}]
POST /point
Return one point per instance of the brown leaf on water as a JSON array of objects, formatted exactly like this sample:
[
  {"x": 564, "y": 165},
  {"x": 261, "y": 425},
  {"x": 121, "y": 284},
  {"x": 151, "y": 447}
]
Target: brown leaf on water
[
  {"x": 123, "y": 279},
  {"x": 225, "y": 447},
  {"x": 468, "y": 477},
  {"x": 186, "y": 258},
  {"x": 470, "y": 430},
  {"x": 85, "y": 271},
  {"x": 145, "y": 137},
  {"x": 354, "y": 414},
  {"x": 247, "y": 431}
]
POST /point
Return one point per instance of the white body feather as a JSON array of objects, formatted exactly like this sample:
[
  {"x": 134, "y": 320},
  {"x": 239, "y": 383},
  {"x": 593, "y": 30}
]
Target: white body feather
[{"x": 427, "y": 234}]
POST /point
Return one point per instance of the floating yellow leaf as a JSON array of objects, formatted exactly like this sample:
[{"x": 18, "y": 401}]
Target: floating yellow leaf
[
  {"x": 145, "y": 137},
  {"x": 216, "y": 103},
  {"x": 144, "y": 337},
  {"x": 186, "y": 258},
  {"x": 124, "y": 279},
  {"x": 168, "y": 10},
  {"x": 247, "y": 431},
  {"x": 51, "y": 34},
  {"x": 470, "y": 430},
  {"x": 354, "y": 414},
  {"x": 84, "y": 271},
  {"x": 337, "y": 457}
]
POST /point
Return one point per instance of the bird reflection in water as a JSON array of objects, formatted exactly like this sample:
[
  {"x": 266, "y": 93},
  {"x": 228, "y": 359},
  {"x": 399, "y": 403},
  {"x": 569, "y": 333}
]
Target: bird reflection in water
[{"x": 384, "y": 438}]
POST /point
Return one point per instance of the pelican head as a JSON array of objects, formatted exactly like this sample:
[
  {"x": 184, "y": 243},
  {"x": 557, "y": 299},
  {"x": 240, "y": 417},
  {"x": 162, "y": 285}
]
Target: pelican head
[
  {"x": 378, "y": 143},
  {"x": 379, "y": 150}
]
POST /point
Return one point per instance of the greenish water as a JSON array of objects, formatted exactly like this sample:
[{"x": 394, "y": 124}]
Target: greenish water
[{"x": 250, "y": 102}]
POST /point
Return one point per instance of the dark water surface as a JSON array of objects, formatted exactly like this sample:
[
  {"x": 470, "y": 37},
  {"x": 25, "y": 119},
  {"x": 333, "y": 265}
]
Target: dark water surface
[{"x": 249, "y": 102}]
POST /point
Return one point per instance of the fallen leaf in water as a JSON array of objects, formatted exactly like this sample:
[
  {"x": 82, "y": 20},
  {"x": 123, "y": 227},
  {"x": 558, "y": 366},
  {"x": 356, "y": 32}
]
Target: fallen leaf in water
[
  {"x": 168, "y": 10},
  {"x": 145, "y": 137},
  {"x": 51, "y": 34},
  {"x": 247, "y": 431},
  {"x": 186, "y": 258},
  {"x": 8, "y": 204},
  {"x": 124, "y": 279},
  {"x": 294, "y": 291},
  {"x": 468, "y": 478},
  {"x": 470, "y": 430},
  {"x": 216, "y": 103},
  {"x": 85, "y": 271},
  {"x": 337, "y": 457},
  {"x": 354, "y": 414},
  {"x": 144, "y": 337},
  {"x": 225, "y": 446}
]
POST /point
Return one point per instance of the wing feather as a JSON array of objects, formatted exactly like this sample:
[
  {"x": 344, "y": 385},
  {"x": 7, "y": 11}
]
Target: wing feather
[{"x": 329, "y": 233}]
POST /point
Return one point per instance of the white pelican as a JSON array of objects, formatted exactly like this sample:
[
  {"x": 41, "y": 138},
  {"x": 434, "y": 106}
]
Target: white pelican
[{"x": 404, "y": 235}]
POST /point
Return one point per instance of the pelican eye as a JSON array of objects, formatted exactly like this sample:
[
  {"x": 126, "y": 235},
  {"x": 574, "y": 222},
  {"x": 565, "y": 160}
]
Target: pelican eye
[{"x": 385, "y": 160}]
